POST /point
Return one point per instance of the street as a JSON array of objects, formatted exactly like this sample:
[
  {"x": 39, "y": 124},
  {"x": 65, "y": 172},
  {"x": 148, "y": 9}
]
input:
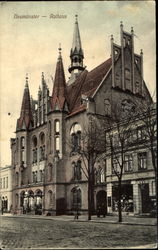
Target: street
[{"x": 41, "y": 233}]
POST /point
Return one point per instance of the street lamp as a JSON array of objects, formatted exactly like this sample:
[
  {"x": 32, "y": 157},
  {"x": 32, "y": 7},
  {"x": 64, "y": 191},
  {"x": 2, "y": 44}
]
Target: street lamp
[{"x": 77, "y": 189}]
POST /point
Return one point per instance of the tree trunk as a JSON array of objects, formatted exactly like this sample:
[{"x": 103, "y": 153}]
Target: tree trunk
[
  {"x": 119, "y": 202},
  {"x": 89, "y": 199}
]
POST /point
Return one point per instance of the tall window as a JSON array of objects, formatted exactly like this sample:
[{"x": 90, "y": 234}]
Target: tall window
[
  {"x": 17, "y": 179},
  {"x": 77, "y": 170},
  {"x": 141, "y": 135},
  {"x": 34, "y": 152},
  {"x": 107, "y": 107},
  {"x": 42, "y": 147},
  {"x": 57, "y": 144},
  {"x": 75, "y": 133},
  {"x": 50, "y": 172},
  {"x": 22, "y": 150},
  {"x": 50, "y": 136},
  {"x": 142, "y": 160},
  {"x": 57, "y": 135},
  {"x": 57, "y": 126},
  {"x": 50, "y": 198},
  {"x": 6, "y": 182},
  {"x": 128, "y": 163},
  {"x": 128, "y": 79},
  {"x": 34, "y": 177},
  {"x": 115, "y": 166}
]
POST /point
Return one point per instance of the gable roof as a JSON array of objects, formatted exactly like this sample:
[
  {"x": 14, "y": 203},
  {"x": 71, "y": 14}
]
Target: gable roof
[{"x": 86, "y": 84}]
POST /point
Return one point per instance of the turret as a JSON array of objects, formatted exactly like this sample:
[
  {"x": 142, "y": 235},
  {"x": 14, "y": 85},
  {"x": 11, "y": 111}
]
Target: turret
[
  {"x": 76, "y": 55},
  {"x": 26, "y": 120}
]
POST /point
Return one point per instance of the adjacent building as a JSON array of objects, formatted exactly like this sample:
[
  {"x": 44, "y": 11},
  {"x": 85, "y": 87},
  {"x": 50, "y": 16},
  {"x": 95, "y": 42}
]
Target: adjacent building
[
  {"x": 6, "y": 188},
  {"x": 48, "y": 175}
]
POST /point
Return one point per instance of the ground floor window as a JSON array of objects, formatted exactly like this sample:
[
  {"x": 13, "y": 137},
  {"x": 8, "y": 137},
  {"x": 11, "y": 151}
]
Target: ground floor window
[{"x": 126, "y": 197}]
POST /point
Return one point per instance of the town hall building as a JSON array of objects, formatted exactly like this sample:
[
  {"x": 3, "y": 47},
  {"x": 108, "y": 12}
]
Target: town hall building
[{"x": 47, "y": 173}]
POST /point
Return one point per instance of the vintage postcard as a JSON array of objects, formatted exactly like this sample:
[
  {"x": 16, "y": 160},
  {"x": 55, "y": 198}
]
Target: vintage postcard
[{"x": 78, "y": 163}]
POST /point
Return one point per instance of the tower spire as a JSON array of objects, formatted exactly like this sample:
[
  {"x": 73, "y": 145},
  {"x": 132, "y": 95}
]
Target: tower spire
[
  {"x": 59, "y": 88},
  {"x": 26, "y": 118},
  {"x": 76, "y": 53}
]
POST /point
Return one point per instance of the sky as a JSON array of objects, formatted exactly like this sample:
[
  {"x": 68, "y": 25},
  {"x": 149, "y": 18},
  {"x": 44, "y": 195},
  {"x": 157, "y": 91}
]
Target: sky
[{"x": 31, "y": 46}]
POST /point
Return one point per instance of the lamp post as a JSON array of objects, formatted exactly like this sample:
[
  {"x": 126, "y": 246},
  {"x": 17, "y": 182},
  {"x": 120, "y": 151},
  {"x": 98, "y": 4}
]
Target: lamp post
[{"x": 77, "y": 189}]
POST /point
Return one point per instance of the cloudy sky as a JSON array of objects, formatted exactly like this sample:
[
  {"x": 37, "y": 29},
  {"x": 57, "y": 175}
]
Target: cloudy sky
[{"x": 31, "y": 46}]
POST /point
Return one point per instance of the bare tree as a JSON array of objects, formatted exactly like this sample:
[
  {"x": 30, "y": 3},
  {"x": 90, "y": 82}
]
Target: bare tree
[
  {"x": 147, "y": 118},
  {"x": 92, "y": 145},
  {"x": 118, "y": 130}
]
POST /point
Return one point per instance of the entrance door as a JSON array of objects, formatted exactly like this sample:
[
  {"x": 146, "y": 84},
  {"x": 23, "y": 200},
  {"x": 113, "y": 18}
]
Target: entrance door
[
  {"x": 145, "y": 198},
  {"x": 101, "y": 199}
]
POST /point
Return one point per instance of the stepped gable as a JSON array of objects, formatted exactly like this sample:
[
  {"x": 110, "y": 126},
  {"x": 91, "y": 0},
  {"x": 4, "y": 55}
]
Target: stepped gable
[{"x": 86, "y": 84}]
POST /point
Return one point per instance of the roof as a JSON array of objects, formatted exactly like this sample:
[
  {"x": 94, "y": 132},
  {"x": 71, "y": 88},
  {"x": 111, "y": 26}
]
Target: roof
[
  {"x": 86, "y": 84},
  {"x": 26, "y": 113}
]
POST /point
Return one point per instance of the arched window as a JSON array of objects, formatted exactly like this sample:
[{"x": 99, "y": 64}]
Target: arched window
[
  {"x": 22, "y": 149},
  {"x": 34, "y": 151},
  {"x": 42, "y": 147},
  {"x": 50, "y": 198},
  {"x": 57, "y": 144},
  {"x": 22, "y": 142},
  {"x": 50, "y": 172},
  {"x": 50, "y": 136},
  {"x": 76, "y": 198},
  {"x": 75, "y": 133},
  {"x": 17, "y": 179},
  {"x": 107, "y": 107},
  {"x": 16, "y": 200},
  {"x": 57, "y": 126},
  {"x": 77, "y": 170}
]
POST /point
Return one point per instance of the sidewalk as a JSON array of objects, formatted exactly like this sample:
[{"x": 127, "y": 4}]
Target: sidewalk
[{"x": 126, "y": 220}]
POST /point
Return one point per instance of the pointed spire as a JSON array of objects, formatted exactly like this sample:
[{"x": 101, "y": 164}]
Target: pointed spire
[
  {"x": 76, "y": 44},
  {"x": 26, "y": 113},
  {"x": 59, "y": 88},
  {"x": 76, "y": 54}
]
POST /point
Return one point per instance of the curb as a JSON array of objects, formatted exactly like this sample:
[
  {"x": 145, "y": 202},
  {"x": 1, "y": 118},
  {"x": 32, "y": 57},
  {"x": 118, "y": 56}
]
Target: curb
[{"x": 80, "y": 220}]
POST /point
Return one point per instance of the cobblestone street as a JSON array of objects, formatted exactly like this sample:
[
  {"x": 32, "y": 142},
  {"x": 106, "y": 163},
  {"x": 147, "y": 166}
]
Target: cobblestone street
[{"x": 27, "y": 233}]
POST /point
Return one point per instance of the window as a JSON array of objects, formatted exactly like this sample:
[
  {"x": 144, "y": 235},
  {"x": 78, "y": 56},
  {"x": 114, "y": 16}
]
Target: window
[
  {"x": 50, "y": 198},
  {"x": 17, "y": 179},
  {"x": 3, "y": 182},
  {"x": 75, "y": 133},
  {"x": 34, "y": 155},
  {"x": 42, "y": 147},
  {"x": 22, "y": 142},
  {"x": 100, "y": 175},
  {"x": 142, "y": 160},
  {"x": 6, "y": 182},
  {"x": 57, "y": 144},
  {"x": 57, "y": 127},
  {"x": 50, "y": 172},
  {"x": 128, "y": 163},
  {"x": 77, "y": 170},
  {"x": 137, "y": 87},
  {"x": 107, "y": 107},
  {"x": 115, "y": 166},
  {"x": 34, "y": 177},
  {"x": 41, "y": 175},
  {"x": 141, "y": 135},
  {"x": 22, "y": 150}
]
